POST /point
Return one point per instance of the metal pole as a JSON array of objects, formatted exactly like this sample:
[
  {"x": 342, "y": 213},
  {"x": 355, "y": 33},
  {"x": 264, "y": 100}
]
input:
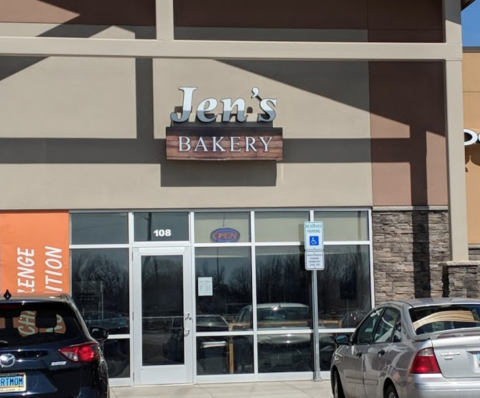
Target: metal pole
[{"x": 316, "y": 345}]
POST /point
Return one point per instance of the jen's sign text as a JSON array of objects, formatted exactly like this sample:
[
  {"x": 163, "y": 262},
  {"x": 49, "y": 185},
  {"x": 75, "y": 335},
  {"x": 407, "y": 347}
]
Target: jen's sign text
[
  {"x": 206, "y": 109},
  {"x": 227, "y": 137}
]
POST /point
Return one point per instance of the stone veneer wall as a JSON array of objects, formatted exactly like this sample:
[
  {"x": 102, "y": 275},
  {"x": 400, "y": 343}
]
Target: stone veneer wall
[
  {"x": 474, "y": 252},
  {"x": 408, "y": 245}
]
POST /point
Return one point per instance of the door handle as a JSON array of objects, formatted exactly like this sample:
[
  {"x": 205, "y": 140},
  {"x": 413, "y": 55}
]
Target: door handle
[
  {"x": 188, "y": 316},
  {"x": 381, "y": 352},
  {"x": 186, "y": 332}
]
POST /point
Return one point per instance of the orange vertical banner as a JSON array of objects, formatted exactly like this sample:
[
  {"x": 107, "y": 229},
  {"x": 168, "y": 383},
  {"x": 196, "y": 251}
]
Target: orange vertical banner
[{"x": 34, "y": 252}]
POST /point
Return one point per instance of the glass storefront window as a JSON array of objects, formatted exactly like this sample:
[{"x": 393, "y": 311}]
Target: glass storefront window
[
  {"x": 285, "y": 353},
  {"x": 344, "y": 286},
  {"x": 222, "y": 227},
  {"x": 344, "y": 225},
  {"x": 99, "y": 228},
  {"x": 224, "y": 286},
  {"x": 162, "y": 310},
  {"x": 294, "y": 352},
  {"x": 283, "y": 287},
  {"x": 162, "y": 227},
  {"x": 280, "y": 322},
  {"x": 100, "y": 283},
  {"x": 117, "y": 355},
  {"x": 276, "y": 226},
  {"x": 224, "y": 355}
]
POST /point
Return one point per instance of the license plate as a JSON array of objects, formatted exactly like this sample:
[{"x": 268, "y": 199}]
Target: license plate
[{"x": 12, "y": 382}]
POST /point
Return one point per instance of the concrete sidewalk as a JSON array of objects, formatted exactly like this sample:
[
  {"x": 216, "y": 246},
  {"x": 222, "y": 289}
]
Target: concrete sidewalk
[{"x": 278, "y": 389}]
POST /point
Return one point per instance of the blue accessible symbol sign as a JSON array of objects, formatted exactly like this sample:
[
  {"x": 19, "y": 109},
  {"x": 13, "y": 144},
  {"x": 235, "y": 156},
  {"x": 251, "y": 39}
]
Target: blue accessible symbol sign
[{"x": 313, "y": 235}]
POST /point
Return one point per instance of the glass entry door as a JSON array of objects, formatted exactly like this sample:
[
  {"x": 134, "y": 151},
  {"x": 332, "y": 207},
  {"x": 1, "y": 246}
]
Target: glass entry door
[{"x": 162, "y": 321}]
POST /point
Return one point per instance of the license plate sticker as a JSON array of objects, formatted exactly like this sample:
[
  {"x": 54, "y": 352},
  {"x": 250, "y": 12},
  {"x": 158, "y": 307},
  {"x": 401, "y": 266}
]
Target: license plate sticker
[{"x": 12, "y": 382}]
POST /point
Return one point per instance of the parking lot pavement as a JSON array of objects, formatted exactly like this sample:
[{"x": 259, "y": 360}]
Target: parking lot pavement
[{"x": 286, "y": 389}]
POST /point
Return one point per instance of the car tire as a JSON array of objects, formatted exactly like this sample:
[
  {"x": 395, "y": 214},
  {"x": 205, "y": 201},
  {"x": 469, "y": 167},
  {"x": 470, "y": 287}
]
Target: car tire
[
  {"x": 337, "y": 386},
  {"x": 391, "y": 392}
]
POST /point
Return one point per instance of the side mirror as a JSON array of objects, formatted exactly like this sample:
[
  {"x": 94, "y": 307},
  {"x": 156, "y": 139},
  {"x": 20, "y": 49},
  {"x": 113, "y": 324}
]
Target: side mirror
[
  {"x": 342, "y": 340},
  {"x": 99, "y": 334}
]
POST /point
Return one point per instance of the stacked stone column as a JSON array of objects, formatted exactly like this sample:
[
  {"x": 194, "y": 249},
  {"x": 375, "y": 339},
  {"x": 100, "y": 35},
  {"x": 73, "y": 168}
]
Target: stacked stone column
[{"x": 409, "y": 244}]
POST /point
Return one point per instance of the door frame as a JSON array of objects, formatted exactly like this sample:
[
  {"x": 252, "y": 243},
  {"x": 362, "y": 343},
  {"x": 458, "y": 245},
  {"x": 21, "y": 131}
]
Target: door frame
[{"x": 163, "y": 374}]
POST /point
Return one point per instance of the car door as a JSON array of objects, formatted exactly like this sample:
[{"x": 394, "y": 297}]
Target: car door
[
  {"x": 378, "y": 353},
  {"x": 352, "y": 360}
]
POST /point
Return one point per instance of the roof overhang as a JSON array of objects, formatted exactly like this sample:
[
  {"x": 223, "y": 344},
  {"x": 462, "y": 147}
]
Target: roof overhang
[{"x": 466, "y": 3}]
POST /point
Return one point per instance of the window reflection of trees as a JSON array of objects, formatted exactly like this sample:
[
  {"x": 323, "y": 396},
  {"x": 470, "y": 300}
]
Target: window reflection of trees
[
  {"x": 162, "y": 286},
  {"x": 282, "y": 278},
  {"x": 100, "y": 285},
  {"x": 231, "y": 282},
  {"x": 344, "y": 285}
]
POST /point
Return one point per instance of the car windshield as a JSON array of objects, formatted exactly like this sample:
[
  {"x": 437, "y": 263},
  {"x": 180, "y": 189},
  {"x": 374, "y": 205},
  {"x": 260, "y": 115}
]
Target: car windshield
[
  {"x": 445, "y": 317},
  {"x": 24, "y": 324}
]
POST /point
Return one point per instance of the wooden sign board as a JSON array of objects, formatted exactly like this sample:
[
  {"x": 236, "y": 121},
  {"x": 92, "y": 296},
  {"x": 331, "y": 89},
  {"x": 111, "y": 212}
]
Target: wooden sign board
[{"x": 224, "y": 143}]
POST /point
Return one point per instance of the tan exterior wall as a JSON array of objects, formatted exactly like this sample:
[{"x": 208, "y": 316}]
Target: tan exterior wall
[
  {"x": 322, "y": 108},
  {"x": 87, "y": 133},
  {"x": 68, "y": 97},
  {"x": 407, "y": 119},
  {"x": 86, "y": 12},
  {"x": 471, "y": 100}
]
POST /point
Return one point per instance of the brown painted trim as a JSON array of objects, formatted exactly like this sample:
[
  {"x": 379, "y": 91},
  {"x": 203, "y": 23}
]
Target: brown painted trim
[
  {"x": 224, "y": 143},
  {"x": 306, "y": 14},
  {"x": 405, "y": 36}
]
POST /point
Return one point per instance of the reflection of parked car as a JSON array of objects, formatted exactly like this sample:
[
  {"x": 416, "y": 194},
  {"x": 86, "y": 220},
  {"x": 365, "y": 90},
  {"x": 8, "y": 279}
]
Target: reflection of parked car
[
  {"x": 212, "y": 352},
  {"x": 174, "y": 346},
  {"x": 116, "y": 323},
  {"x": 280, "y": 352},
  {"x": 274, "y": 315},
  {"x": 211, "y": 323},
  {"x": 411, "y": 349}
]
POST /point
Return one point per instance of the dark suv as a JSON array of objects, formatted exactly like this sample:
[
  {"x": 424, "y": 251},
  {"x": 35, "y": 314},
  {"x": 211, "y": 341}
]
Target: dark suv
[{"x": 47, "y": 351}]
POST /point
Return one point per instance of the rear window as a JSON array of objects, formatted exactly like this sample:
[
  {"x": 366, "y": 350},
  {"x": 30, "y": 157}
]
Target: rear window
[
  {"x": 440, "y": 318},
  {"x": 36, "y": 323}
]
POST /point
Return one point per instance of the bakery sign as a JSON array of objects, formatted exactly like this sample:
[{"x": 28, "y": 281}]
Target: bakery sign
[{"x": 230, "y": 139}]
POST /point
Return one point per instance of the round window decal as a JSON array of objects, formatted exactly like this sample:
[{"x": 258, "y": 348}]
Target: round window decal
[{"x": 225, "y": 235}]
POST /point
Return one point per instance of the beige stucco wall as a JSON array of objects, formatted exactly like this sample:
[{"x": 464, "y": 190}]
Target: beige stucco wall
[
  {"x": 78, "y": 134},
  {"x": 67, "y": 97},
  {"x": 323, "y": 110},
  {"x": 88, "y": 133}
]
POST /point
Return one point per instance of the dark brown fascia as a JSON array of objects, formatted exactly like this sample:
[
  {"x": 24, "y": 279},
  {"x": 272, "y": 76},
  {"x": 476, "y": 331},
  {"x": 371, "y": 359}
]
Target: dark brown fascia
[{"x": 466, "y": 3}]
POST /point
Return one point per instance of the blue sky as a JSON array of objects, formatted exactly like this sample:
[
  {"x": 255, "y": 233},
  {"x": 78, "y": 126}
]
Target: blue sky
[{"x": 471, "y": 25}]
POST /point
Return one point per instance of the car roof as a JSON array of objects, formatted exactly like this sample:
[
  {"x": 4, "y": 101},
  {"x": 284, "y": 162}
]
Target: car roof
[
  {"x": 29, "y": 298},
  {"x": 282, "y": 305},
  {"x": 425, "y": 302}
]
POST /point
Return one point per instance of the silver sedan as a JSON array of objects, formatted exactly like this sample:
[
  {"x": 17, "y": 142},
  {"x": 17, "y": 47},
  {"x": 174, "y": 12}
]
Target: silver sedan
[{"x": 411, "y": 349}]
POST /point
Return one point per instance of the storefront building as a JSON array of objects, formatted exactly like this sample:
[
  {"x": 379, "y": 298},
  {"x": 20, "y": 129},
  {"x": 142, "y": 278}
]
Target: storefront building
[
  {"x": 159, "y": 159},
  {"x": 471, "y": 99}
]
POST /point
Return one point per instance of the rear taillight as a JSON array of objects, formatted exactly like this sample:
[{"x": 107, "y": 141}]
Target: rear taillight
[
  {"x": 425, "y": 362},
  {"x": 87, "y": 352}
]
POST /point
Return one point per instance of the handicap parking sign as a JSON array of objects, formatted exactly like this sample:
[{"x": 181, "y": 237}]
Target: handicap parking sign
[{"x": 313, "y": 235}]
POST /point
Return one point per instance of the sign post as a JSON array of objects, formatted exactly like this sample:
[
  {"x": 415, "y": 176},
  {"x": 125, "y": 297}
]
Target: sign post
[{"x": 314, "y": 260}]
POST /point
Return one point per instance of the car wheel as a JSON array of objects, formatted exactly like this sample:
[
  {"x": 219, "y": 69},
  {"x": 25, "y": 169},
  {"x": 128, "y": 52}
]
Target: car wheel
[
  {"x": 391, "y": 392},
  {"x": 337, "y": 386}
]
